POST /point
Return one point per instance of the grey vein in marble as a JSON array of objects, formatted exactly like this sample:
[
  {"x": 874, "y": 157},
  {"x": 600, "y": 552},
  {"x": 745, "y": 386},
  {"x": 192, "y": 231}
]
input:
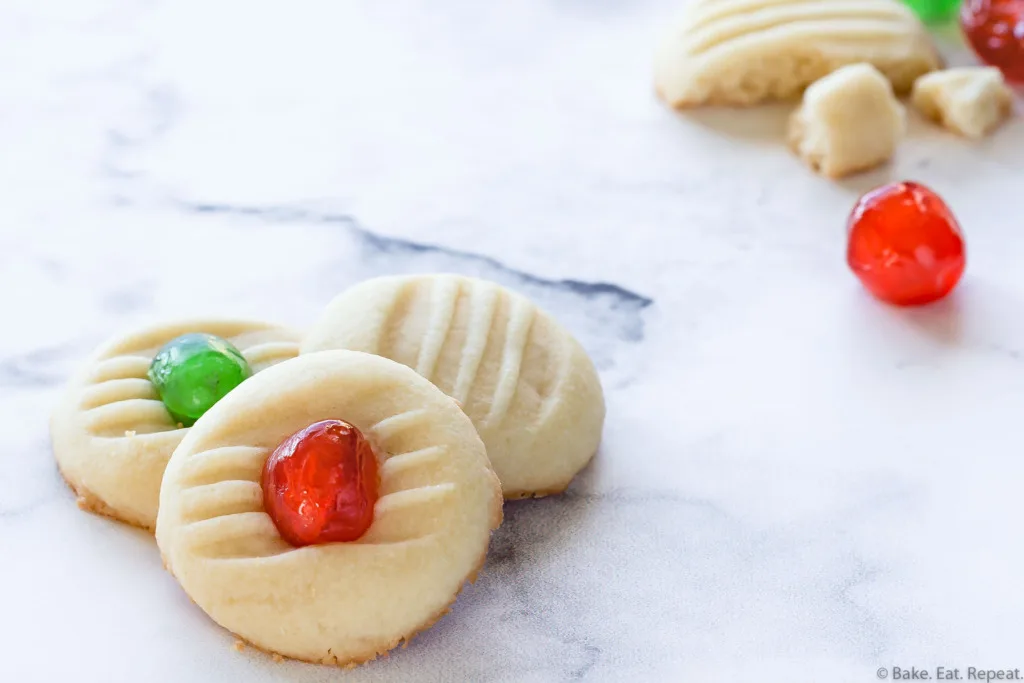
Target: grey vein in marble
[{"x": 600, "y": 312}]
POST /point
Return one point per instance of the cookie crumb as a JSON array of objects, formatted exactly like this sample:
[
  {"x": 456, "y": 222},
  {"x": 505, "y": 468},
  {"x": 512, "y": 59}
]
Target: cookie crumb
[
  {"x": 277, "y": 658},
  {"x": 239, "y": 646},
  {"x": 971, "y": 101},
  {"x": 129, "y": 433},
  {"x": 849, "y": 121},
  {"x": 180, "y": 426}
]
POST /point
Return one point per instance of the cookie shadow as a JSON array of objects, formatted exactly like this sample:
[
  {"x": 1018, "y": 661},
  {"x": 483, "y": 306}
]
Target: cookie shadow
[
  {"x": 763, "y": 123},
  {"x": 533, "y": 527}
]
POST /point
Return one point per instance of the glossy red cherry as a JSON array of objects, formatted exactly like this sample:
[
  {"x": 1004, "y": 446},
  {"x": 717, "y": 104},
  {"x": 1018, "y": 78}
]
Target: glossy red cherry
[
  {"x": 321, "y": 483},
  {"x": 905, "y": 245},
  {"x": 995, "y": 31}
]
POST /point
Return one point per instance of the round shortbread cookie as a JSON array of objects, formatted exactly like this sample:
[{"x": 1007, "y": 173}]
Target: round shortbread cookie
[
  {"x": 531, "y": 390},
  {"x": 111, "y": 434},
  {"x": 743, "y": 52},
  {"x": 335, "y": 603}
]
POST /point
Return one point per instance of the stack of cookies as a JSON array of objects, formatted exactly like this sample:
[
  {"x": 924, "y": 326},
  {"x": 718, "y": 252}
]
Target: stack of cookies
[{"x": 325, "y": 496}]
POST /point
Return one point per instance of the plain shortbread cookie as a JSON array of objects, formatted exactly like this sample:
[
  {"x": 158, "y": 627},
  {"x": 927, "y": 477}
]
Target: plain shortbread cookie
[
  {"x": 849, "y": 121},
  {"x": 336, "y": 603},
  {"x": 742, "y": 52},
  {"x": 529, "y": 387},
  {"x": 111, "y": 434}
]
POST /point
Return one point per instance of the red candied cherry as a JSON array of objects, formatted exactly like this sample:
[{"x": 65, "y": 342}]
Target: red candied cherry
[
  {"x": 995, "y": 31},
  {"x": 321, "y": 483},
  {"x": 905, "y": 245}
]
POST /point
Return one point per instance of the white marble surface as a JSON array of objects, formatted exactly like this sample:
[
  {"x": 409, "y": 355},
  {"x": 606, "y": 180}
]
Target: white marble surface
[{"x": 796, "y": 484}]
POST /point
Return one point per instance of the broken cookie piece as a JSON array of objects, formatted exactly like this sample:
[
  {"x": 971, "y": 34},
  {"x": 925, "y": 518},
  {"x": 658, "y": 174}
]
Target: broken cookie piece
[
  {"x": 971, "y": 101},
  {"x": 849, "y": 121}
]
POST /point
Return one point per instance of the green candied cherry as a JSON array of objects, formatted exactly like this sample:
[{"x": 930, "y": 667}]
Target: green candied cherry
[
  {"x": 934, "y": 11},
  {"x": 194, "y": 371}
]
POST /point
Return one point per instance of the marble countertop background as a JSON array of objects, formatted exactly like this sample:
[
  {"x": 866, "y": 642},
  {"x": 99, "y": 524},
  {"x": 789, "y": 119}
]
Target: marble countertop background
[{"x": 796, "y": 484}]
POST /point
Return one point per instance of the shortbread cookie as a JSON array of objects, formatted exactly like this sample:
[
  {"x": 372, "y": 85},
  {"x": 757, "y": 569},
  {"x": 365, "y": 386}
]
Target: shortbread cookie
[
  {"x": 111, "y": 434},
  {"x": 971, "y": 101},
  {"x": 742, "y": 52},
  {"x": 527, "y": 384},
  {"x": 335, "y": 603},
  {"x": 849, "y": 121}
]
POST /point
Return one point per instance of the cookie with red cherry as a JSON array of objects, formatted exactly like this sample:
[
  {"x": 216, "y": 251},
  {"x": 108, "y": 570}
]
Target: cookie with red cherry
[{"x": 328, "y": 508}]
